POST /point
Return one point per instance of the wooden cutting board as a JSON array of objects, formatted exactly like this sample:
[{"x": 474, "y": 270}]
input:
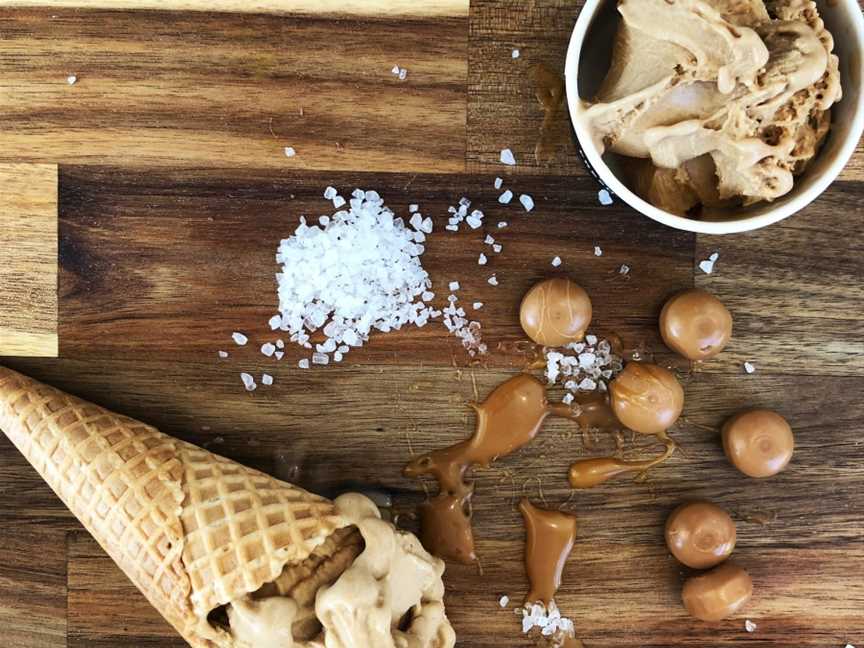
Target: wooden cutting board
[{"x": 173, "y": 191}]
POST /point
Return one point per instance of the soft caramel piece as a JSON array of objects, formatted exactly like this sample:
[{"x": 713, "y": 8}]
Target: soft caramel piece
[
  {"x": 700, "y": 534},
  {"x": 758, "y": 442},
  {"x": 646, "y": 398},
  {"x": 717, "y": 594},
  {"x": 555, "y": 312},
  {"x": 695, "y": 324}
]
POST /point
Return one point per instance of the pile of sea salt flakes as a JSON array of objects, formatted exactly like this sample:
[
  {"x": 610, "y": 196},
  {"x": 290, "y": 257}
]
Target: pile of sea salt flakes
[{"x": 588, "y": 367}]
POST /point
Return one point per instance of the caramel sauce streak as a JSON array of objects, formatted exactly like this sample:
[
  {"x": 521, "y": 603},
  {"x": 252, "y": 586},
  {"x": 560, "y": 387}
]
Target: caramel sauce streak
[{"x": 551, "y": 535}]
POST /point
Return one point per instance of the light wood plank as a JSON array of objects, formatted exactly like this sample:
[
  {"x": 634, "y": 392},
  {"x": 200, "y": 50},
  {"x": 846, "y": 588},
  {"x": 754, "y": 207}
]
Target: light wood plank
[{"x": 28, "y": 260}]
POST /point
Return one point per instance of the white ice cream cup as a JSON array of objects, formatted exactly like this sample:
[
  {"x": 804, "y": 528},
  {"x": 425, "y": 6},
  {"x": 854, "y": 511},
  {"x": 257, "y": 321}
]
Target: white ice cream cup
[{"x": 588, "y": 60}]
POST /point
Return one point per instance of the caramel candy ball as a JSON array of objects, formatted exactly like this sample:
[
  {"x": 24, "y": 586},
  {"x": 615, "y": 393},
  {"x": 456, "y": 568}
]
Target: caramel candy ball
[
  {"x": 695, "y": 324},
  {"x": 759, "y": 442},
  {"x": 646, "y": 398},
  {"x": 555, "y": 312},
  {"x": 700, "y": 534},
  {"x": 718, "y": 594}
]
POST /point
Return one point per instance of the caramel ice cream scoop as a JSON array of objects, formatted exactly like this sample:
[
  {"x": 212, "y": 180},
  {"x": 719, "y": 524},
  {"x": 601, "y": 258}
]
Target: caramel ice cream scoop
[
  {"x": 647, "y": 398},
  {"x": 700, "y": 534},
  {"x": 758, "y": 442},
  {"x": 717, "y": 594},
  {"x": 555, "y": 312},
  {"x": 695, "y": 324}
]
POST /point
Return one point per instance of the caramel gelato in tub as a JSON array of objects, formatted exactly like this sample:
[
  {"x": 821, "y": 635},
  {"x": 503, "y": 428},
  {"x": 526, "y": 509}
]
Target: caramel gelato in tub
[{"x": 719, "y": 103}]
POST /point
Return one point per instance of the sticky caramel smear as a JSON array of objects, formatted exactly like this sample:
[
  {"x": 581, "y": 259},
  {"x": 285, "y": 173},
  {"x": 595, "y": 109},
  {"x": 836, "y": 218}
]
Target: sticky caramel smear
[
  {"x": 508, "y": 419},
  {"x": 551, "y": 535},
  {"x": 587, "y": 473},
  {"x": 549, "y": 88}
]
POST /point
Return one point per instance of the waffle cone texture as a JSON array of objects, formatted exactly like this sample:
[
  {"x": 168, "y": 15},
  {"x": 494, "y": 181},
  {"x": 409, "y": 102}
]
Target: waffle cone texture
[{"x": 192, "y": 530}]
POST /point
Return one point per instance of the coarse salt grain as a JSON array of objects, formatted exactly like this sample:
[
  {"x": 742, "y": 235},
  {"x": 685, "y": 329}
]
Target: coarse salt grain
[
  {"x": 505, "y": 197},
  {"x": 527, "y": 202},
  {"x": 453, "y": 285},
  {"x": 223, "y": 354},
  {"x": 507, "y": 157},
  {"x": 556, "y": 261},
  {"x": 604, "y": 197},
  {"x": 749, "y": 367},
  {"x": 478, "y": 305},
  {"x": 248, "y": 381},
  {"x": 598, "y": 251},
  {"x": 290, "y": 152},
  {"x": 330, "y": 193},
  {"x": 266, "y": 379},
  {"x": 502, "y": 224},
  {"x": 499, "y": 182},
  {"x": 280, "y": 344},
  {"x": 482, "y": 260},
  {"x": 279, "y": 355},
  {"x": 268, "y": 349},
  {"x": 515, "y": 53},
  {"x": 497, "y": 247},
  {"x": 71, "y": 79},
  {"x": 749, "y": 626},
  {"x": 304, "y": 363},
  {"x": 493, "y": 280},
  {"x": 624, "y": 269},
  {"x": 275, "y": 322},
  {"x": 489, "y": 240},
  {"x": 707, "y": 266},
  {"x": 239, "y": 338},
  {"x": 413, "y": 208},
  {"x": 504, "y": 601}
]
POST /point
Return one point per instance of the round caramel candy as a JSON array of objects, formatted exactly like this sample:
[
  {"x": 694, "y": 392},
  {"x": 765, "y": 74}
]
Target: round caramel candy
[
  {"x": 717, "y": 594},
  {"x": 758, "y": 442},
  {"x": 695, "y": 324},
  {"x": 646, "y": 398},
  {"x": 700, "y": 534},
  {"x": 555, "y": 312}
]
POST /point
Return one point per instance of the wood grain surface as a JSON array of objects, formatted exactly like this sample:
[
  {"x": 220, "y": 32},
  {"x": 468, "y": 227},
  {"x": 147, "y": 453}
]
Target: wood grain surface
[
  {"x": 165, "y": 251},
  {"x": 28, "y": 259}
]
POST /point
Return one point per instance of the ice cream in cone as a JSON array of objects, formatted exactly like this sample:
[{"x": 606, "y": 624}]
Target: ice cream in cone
[{"x": 231, "y": 557}]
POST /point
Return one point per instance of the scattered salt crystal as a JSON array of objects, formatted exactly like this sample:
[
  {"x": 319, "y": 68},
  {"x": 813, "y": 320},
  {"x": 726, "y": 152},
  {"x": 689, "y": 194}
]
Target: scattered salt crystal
[
  {"x": 481, "y": 260},
  {"x": 395, "y": 70},
  {"x": 280, "y": 344},
  {"x": 351, "y": 338},
  {"x": 749, "y": 367},
  {"x": 452, "y": 228},
  {"x": 604, "y": 197},
  {"x": 290, "y": 152},
  {"x": 426, "y": 226},
  {"x": 507, "y": 157},
  {"x": 304, "y": 363},
  {"x": 527, "y": 202},
  {"x": 556, "y": 261},
  {"x": 505, "y": 197},
  {"x": 478, "y": 305},
  {"x": 587, "y": 384},
  {"x": 268, "y": 349},
  {"x": 338, "y": 202},
  {"x": 223, "y": 354},
  {"x": 71, "y": 79},
  {"x": 320, "y": 358},
  {"x": 324, "y": 221},
  {"x": 337, "y": 356},
  {"x": 239, "y": 338},
  {"x": 707, "y": 266},
  {"x": 502, "y": 224},
  {"x": 453, "y": 285},
  {"x": 403, "y": 74},
  {"x": 248, "y": 381},
  {"x": 848, "y": 645},
  {"x": 416, "y": 221},
  {"x": 489, "y": 240},
  {"x": 473, "y": 221},
  {"x": 591, "y": 339},
  {"x": 624, "y": 269},
  {"x": 497, "y": 247},
  {"x": 515, "y": 53},
  {"x": 275, "y": 322},
  {"x": 330, "y": 193},
  {"x": 493, "y": 280},
  {"x": 427, "y": 295},
  {"x": 266, "y": 379},
  {"x": 597, "y": 251},
  {"x": 499, "y": 182},
  {"x": 749, "y": 626},
  {"x": 279, "y": 354},
  {"x": 504, "y": 601},
  {"x": 568, "y": 399},
  {"x": 413, "y": 208}
]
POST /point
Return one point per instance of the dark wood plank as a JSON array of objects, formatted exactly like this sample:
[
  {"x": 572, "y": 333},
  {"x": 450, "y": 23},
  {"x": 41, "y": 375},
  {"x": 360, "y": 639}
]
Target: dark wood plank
[
  {"x": 165, "y": 88},
  {"x": 794, "y": 289},
  {"x": 204, "y": 244}
]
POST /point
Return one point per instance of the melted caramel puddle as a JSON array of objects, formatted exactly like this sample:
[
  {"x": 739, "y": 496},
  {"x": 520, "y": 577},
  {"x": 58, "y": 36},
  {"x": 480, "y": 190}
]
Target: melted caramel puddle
[
  {"x": 551, "y": 535},
  {"x": 587, "y": 473},
  {"x": 508, "y": 419},
  {"x": 549, "y": 89}
]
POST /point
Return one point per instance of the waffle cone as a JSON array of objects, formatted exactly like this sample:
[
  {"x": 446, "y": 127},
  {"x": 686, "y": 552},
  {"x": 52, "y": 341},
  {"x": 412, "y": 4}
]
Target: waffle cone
[{"x": 191, "y": 529}]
